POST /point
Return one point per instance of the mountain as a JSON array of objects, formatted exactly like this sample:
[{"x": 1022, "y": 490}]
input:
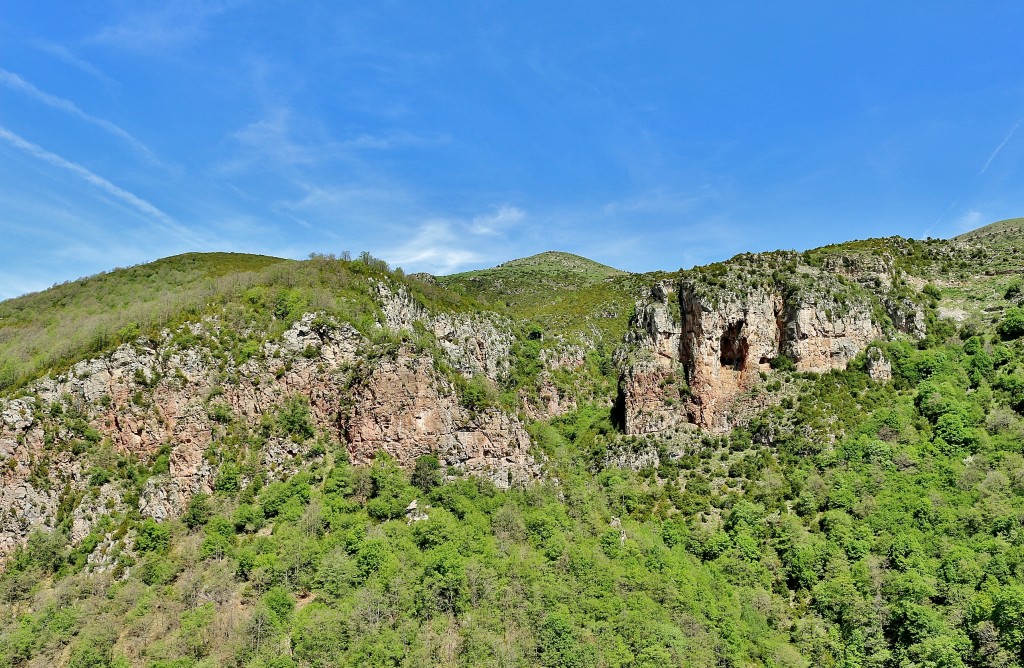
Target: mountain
[{"x": 784, "y": 459}]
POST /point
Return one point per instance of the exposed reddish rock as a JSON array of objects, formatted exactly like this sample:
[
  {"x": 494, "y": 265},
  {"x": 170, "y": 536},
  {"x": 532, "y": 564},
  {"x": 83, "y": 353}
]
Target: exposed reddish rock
[
  {"x": 722, "y": 341},
  {"x": 406, "y": 409},
  {"x": 144, "y": 396}
]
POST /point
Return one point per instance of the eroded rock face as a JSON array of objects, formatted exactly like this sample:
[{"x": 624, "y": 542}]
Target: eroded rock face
[
  {"x": 722, "y": 342},
  {"x": 156, "y": 396},
  {"x": 407, "y": 409},
  {"x": 652, "y": 374},
  {"x": 474, "y": 343},
  {"x": 878, "y": 365}
]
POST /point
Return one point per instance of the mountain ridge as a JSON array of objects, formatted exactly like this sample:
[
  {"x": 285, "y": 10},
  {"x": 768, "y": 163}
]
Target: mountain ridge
[{"x": 782, "y": 459}]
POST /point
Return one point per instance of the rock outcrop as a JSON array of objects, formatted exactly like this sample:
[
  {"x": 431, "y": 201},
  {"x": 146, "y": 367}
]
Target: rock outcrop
[
  {"x": 405, "y": 408},
  {"x": 698, "y": 345},
  {"x": 178, "y": 397}
]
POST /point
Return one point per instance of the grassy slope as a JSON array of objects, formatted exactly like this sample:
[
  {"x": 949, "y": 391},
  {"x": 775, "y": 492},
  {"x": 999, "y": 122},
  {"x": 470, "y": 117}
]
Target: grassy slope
[
  {"x": 54, "y": 327},
  {"x": 1008, "y": 227},
  {"x": 566, "y": 294}
]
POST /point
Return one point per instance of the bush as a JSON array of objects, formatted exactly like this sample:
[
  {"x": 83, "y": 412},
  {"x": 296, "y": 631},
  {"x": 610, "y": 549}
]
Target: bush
[
  {"x": 477, "y": 394},
  {"x": 1012, "y": 325},
  {"x": 427, "y": 474},
  {"x": 229, "y": 478},
  {"x": 782, "y": 363},
  {"x": 153, "y": 537},
  {"x": 950, "y": 427},
  {"x": 198, "y": 511},
  {"x": 293, "y": 419}
]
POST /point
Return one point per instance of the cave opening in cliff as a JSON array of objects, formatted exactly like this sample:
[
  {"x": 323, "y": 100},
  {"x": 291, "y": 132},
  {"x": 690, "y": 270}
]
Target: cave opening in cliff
[{"x": 734, "y": 346}]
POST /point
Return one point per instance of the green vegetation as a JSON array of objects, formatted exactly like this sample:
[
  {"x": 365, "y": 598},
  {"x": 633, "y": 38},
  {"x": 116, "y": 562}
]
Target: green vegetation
[
  {"x": 849, "y": 523},
  {"x": 51, "y": 330},
  {"x": 54, "y": 328},
  {"x": 867, "y": 524},
  {"x": 561, "y": 292}
]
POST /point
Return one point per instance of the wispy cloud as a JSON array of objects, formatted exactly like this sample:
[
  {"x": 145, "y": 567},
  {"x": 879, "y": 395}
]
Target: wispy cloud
[
  {"x": 163, "y": 220},
  {"x": 277, "y": 140},
  {"x": 661, "y": 201},
  {"x": 498, "y": 222},
  {"x": 970, "y": 220},
  {"x": 434, "y": 247},
  {"x": 271, "y": 138},
  {"x": 370, "y": 205},
  {"x": 171, "y": 26},
  {"x": 64, "y": 54},
  {"x": 999, "y": 148},
  {"x": 15, "y": 82}
]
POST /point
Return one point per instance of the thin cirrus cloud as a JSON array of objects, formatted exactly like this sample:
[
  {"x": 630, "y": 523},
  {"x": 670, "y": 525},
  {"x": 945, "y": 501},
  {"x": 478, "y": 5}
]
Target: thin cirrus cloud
[
  {"x": 160, "y": 218},
  {"x": 1006, "y": 139},
  {"x": 17, "y": 83},
  {"x": 276, "y": 137},
  {"x": 67, "y": 56},
  {"x": 169, "y": 27},
  {"x": 499, "y": 222}
]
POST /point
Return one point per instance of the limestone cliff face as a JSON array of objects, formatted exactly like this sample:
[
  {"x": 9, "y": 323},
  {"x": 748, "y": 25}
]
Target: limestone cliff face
[
  {"x": 58, "y": 443},
  {"x": 652, "y": 378},
  {"x": 724, "y": 339},
  {"x": 407, "y": 409},
  {"x": 724, "y": 345},
  {"x": 473, "y": 343}
]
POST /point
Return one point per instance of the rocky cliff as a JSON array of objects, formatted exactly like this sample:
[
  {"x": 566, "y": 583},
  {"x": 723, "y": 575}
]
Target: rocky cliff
[
  {"x": 700, "y": 344},
  {"x": 154, "y": 422},
  {"x": 239, "y": 395}
]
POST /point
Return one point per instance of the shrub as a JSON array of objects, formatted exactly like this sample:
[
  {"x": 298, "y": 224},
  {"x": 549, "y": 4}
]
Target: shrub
[
  {"x": 1012, "y": 325},
  {"x": 219, "y": 412},
  {"x": 198, "y": 511},
  {"x": 293, "y": 419},
  {"x": 229, "y": 478},
  {"x": 477, "y": 394},
  {"x": 427, "y": 474},
  {"x": 153, "y": 537},
  {"x": 782, "y": 363}
]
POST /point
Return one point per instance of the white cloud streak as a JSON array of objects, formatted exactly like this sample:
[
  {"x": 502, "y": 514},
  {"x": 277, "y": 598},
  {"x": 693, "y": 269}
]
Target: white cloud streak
[
  {"x": 498, "y": 222},
  {"x": 999, "y": 148},
  {"x": 16, "y": 83},
  {"x": 65, "y": 55},
  {"x": 173, "y": 25},
  {"x": 433, "y": 248},
  {"x": 167, "y": 223},
  {"x": 970, "y": 220}
]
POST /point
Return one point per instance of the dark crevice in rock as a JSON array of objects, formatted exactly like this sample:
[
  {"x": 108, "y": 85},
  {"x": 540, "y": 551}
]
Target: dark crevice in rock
[{"x": 734, "y": 347}]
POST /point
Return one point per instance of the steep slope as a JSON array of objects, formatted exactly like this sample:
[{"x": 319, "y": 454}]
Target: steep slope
[
  {"x": 703, "y": 340},
  {"x": 785, "y": 459},
  {"x": 253, "y": 381},
  {"x": 54, "y": 328}
]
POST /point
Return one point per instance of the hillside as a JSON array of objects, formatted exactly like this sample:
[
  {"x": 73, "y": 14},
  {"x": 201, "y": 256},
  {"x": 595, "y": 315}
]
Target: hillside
[
  {"x": 784, "y": 459},
  {"x": 564, "y": 293},
  {"x": 50, "y": 329},
  {"x": 1009, "y": 228}
]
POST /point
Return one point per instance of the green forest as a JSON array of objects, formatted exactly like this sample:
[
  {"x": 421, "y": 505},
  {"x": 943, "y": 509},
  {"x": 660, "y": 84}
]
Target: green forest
[{"x": 852, "y": 523}]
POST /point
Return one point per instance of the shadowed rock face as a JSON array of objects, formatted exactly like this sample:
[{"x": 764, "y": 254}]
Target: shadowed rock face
[{"x": 722, "y": 341}]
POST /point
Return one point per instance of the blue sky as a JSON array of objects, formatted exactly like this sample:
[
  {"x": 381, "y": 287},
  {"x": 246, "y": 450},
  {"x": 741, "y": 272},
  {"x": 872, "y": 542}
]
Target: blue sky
[{"x": 450, "y": 136}]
